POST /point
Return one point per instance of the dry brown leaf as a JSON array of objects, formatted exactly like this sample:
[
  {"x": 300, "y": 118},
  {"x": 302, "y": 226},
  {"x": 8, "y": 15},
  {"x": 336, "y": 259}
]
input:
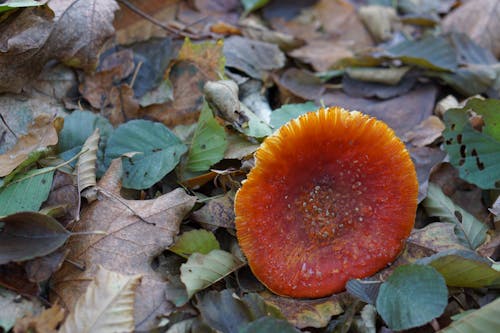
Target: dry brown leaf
[
  {"x": 107, "y": 306},
  {"x": 426, "y": 132},
  {"x": 339, "y": 18},
  {"x": 323, "y": 54},
  {"x": 123, "y": 107},
  {"x": 131, "y": 27},
  {"x": 41, "y": 134},
  {"x": 136, "y": 232},
  {"x": 45, "y": 322},
  {"x": 480, "y": 20},
  {"x": 72, "y": 31}
]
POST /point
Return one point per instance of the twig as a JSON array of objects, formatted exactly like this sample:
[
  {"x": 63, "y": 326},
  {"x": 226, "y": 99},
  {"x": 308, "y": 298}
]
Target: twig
[{"x": 7, "y": 125}]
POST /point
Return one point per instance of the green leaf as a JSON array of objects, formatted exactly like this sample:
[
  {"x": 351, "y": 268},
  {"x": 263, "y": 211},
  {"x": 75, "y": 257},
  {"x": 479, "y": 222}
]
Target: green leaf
[
  {"x": 251, "y": 5},
  {"x": 26, "y": 235},
  {"x": 464, "y": 269},
  {"x": 152, "y": 152},
  {"x": 256, "y": 128},
  {"x": 475, "y": 154},
  {"x": 78, "y": 126},
  {"x": 269, "y": 325},
  {"x": 486, "y": 319},
  {"x": 287, "y": 112},
  {"x": 201, "y": 271},
  {"x": 26, "y": 192},
  {"x": 412, "y": 296},
  {"x": 13, "y": 4},
  {"x": 435, "y": 53},
  {"x": 195, "y": 241},
  {"x": 469, "y": 230},
  {"x": 209, "y": 142}
]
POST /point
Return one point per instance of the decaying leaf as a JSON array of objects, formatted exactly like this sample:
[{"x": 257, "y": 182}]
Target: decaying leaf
[
  {"x": 469, "y": 230},
  {"x": 72, "y": 31},
  {"x": 106, "y": 306},
  {"x": 14, "y": 307},
  {"x": 308, "y": 313},
  {"x": 41, "y": 134},
  {"x": 45, "y": 322},
  {"x": 135, "y": 232}
]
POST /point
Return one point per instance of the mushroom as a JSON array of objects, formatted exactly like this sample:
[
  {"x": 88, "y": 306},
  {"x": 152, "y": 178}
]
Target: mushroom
[{"x": 332, "y": 197}]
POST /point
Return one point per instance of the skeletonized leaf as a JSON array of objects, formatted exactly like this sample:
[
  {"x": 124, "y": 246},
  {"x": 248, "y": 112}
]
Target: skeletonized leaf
[
  {"x": 470, "y": 231},
  {"x": 28, "y": 235},
  {"x": 200, "y": 241},
  {"x": 202, "y": 270},
  {"x": 86, "y": 166},
  {"x": 107, "y": 306},
  {"x": 486, "y": 319}
]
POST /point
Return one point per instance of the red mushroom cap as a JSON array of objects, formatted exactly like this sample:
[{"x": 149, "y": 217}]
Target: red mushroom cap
[{"x": 332, "y": 197}]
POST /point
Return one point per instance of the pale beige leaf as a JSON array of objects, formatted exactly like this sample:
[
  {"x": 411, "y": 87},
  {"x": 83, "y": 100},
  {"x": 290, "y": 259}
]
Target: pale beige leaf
[
  {"x": 86, "y": 166},
  {"x": 106, "y": 307},
  {"x": 480, "y": 20}
]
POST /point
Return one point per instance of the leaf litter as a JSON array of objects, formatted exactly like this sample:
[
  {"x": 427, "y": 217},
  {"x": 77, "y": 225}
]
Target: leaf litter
[{"x": 87, "y": 216}]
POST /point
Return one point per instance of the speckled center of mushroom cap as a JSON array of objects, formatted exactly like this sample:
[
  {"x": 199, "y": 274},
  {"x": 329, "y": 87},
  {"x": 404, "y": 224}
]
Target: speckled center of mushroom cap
[{"x": 332, "y": 197}]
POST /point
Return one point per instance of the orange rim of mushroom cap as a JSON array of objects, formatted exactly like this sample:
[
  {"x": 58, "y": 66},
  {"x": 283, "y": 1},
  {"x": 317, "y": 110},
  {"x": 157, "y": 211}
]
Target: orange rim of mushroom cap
[{"x": 332, "y": 197}]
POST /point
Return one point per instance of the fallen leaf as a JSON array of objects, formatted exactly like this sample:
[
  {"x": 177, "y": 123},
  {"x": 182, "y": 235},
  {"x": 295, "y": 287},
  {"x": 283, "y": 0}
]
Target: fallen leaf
[
  {"x": 307, "y": 313},
  {"x": 195, "y": 241},
  {"x": 418, "y": 105},
  {"x": 300, "y": 83},
  {"x": 203, "y": 270},
  {"x": 195, "y": 65},
  {"x": 131, "y": 27},
  {"x": 28, "y": 235},
  {"x": 107, "y": 305},
  {"x": 485, "y": 319},
  {"x": 14, "y": 307},
  {"x": 136, "y": 231},
  {"x": 41, "y": 269},
  {"x": 86, "y": 165},
  {"x": 482, "y": 31},
  {"x": 217, "y": 212},
  {"x": 60, "y": 31},
  {"x": 379, "y": 20},
  {"x": 426, "y": 132},
  {"x": 227, "y": 313},
  {"x": 251, "y": 57},
  {"x": 360, "y": 87},
  {"x": 340, "y": 19},
  {"x": 13, "y": 277},
  {"x": 45, "y": 322},
  {"x": 437, "y": 237},
  {"x": 470, "y": 230},
  {"x": 26, "y": 192},
  {"x": 323, "y": 54},
  {"x": 41, "y": 134}
]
